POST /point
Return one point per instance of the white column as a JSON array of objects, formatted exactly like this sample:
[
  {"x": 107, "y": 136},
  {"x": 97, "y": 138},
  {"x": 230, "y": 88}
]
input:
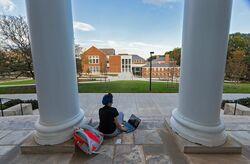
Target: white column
[
  {"x": 204, "y": 48},
  {"x": 51, "y": 31}
]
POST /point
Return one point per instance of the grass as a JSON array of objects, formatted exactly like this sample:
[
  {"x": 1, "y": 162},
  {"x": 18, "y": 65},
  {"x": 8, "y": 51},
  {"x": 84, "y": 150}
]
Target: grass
[
  {"x": 128, "y": 87},
  {"x": 236, "y": 88},
  {"x": 17, "y": 82},
  {"x": 119, "y": 87}
]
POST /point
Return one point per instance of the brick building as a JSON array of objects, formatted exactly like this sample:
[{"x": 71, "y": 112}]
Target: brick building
[
  {"x": 96, "y": 61},
  {"x": 114, "y": 64},
  {"x": 162, "y": 68}
]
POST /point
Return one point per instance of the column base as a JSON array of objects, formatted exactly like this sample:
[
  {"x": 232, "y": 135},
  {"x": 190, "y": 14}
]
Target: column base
[
  {"x": 205, "y": 135},
  {"x": 58, "y": 133}
]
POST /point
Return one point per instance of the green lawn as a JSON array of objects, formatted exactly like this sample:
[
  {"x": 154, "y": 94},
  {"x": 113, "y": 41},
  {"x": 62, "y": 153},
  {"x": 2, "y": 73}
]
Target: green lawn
[
  {"x": 236, "y": 88},
  {"x": 119, "y": 87},
  {"x": 17, "y": 82},
  {"x": 128, "y": 87}
]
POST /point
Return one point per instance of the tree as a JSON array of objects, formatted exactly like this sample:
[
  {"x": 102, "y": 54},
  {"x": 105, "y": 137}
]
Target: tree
[
  {"x": 154, "y": 57},
  {"x": 79, "y": 66},
  {"x": 4, "y": 64},
  {"x": 78, "y": 50},
  {"x": 175, "y": 55},
  {"x": 15, "y": 43},
  {"x": 236, "y": 66},
  {"x": 238, "y": 42}
]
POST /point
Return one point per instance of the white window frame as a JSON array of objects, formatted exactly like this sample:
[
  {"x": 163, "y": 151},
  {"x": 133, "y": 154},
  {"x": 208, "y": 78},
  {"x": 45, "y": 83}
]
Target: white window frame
[{"x": 94, "y": 59}]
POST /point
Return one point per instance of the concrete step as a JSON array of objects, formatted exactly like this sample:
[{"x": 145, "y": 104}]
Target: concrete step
[
  {"x": 8, "y": 152},
  {"x": 230, "y": 147},
  {"x": 29, "y": 146}
]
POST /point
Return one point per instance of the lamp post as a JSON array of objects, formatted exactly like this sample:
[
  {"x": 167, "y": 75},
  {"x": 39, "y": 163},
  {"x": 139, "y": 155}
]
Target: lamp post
[{"x": 150, "y": 71}]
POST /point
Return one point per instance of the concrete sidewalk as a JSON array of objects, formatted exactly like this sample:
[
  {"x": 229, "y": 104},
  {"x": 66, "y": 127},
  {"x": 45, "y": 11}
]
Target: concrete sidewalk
[
  {"x": 141, "y": 104},
  {"x": 151, "y": 143}
]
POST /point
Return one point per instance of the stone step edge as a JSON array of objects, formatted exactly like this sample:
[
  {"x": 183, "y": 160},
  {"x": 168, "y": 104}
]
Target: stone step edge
[
  {"x": 29, "y": 146},
  {"x": 192, "y": 148}
]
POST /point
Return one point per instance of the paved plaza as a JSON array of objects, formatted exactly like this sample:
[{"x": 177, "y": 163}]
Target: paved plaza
[
  {"x": 141, "y": 104},
  {"x": 151, "y": 143}
]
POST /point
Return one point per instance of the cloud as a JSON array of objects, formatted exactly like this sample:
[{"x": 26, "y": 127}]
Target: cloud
[
  {"x": 7, "y": 5},
  {"x": 135, "y": 47},
  {"x": 97, "y": 40},
  {"x": 157, "y": 2},
  {"x": 142, "y": 44},
  {"x": 83, "y": 26}
]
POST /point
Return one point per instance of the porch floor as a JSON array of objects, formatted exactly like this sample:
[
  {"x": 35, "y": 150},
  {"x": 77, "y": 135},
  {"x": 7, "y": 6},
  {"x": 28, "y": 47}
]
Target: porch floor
[{"x": 150, "y": 143}]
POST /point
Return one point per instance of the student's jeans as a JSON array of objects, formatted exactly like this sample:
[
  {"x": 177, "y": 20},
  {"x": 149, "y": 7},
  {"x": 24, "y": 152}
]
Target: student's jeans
[{"x": 117, "y": 131}]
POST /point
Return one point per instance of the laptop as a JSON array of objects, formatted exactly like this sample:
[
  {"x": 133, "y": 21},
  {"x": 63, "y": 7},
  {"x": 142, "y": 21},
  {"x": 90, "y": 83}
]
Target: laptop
[{"x": 132, "y": 123}]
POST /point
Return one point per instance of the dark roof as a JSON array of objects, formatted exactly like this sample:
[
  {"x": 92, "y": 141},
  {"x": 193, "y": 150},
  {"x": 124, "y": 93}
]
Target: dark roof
[
  {"x": 160, "y": 58},
  {"x": 108, "y": 51},
  {"x": 155, "y": 64},
  {"x": 137, "y": 57},
  {"x": 123, "y": 54}
]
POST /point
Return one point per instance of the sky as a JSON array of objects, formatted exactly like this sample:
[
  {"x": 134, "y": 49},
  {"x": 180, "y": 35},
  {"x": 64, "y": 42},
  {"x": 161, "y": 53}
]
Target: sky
[{"x": 132, "y": 26}]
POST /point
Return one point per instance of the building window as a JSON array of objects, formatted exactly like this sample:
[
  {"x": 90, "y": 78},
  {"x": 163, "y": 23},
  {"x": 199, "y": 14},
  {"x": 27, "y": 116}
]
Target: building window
[
  {"x": 94, "y": 69},
  {"x": 93, "y": 59},
  {"x": 126, "y": 65}
]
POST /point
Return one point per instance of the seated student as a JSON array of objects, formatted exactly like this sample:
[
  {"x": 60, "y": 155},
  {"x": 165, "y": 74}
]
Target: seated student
[{"x": 110, "y": 120}]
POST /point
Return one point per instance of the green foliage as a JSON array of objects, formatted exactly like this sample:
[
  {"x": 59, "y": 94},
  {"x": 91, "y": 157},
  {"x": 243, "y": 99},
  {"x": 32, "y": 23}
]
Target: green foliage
[
  {"x": 236, "y": 66},
  {"x": 238, "y": 43},
  {"x": 175, "y": 55},
  {"x": 14, "y": 102},
  {"x": 154, "y": 57},
  {"x": 4, "y": 64},
  {"x": 131, "y": 86},
  {"x": 78, "y": 66},
  {"x": 17, "y": 82},
  {"x": 243, "y": 101},
  {"x": 15, "y": 46},
  {"x": 18, "y": 89},
  {"x": 11, "y": 103},
  {"x": 127, "y": 87}
]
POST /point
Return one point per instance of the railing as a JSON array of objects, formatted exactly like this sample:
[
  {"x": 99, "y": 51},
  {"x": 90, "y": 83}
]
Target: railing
[
  {"x": 4, "y": 100},
  {"x": 235, "y": 107}
]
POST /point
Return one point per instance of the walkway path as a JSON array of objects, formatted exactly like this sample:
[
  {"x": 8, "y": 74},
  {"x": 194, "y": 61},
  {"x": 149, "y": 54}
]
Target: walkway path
[
  {"x": 151, "y": 143},
  {"x": 141, "y": 104}
]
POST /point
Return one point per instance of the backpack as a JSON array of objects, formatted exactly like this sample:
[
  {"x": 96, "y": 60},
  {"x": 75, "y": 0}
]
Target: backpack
[{"x": 88, "y": 139}]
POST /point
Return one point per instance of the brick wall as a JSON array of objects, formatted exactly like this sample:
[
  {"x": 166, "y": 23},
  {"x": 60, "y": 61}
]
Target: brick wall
[
  {"x": 115, "y": 64},
  {"x": 161, "y": 72},
  {"x": 93, "y": 51}
]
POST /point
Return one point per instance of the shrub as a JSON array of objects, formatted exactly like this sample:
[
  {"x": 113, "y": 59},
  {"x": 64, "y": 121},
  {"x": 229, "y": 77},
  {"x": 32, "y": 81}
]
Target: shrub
[
  {"x": 14, "y": 102},
  {"x": 242, "y": 101},
  {"x": 34, "y": 103},
  {"x": 11, "y": 103}
]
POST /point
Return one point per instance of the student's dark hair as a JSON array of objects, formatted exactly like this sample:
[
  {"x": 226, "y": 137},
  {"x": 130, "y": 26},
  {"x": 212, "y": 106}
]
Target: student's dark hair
[
  {"x": 108, "y": 98},
  {"x": 110, "y": 94}
]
